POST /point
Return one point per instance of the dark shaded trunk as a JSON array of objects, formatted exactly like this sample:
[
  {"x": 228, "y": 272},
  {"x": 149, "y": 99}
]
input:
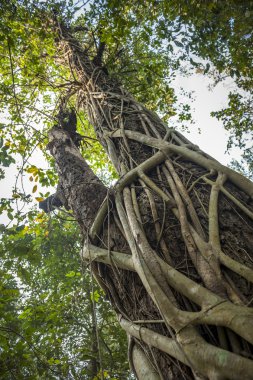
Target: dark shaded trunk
[{"x": 182, "y": 226}]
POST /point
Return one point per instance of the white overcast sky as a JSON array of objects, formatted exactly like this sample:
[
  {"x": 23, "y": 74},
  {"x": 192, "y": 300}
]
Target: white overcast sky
[{"x": 212, "y": 139}]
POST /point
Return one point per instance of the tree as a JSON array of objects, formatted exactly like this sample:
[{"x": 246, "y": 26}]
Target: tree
[
  {"x": 170, "y": 244},
  {"x": 54, "y": 321},
  {"x": 164, "y": 181}
]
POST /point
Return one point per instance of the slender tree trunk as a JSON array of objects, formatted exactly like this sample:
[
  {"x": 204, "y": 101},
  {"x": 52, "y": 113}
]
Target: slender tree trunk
[{"x": 171, "y": 244}]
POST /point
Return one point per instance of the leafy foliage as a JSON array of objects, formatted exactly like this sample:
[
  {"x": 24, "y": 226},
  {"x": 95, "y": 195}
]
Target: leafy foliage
[
  {"x": 47, "y": 308},
  {"x": 215, "y": 38},
  {"x": 237, "y": 119},
  {"x": 6, "y": 159}
]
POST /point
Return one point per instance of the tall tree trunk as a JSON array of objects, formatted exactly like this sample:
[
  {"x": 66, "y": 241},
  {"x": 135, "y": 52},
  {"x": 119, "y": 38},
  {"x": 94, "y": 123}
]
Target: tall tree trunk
[{"x": 171, "y": 244}]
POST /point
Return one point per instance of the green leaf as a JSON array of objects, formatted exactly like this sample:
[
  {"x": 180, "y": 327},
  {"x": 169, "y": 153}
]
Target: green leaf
[
  {"x": 179, "y": 44},
  {"x": 71, "y": 274},
  {"x": 207, "y": 68},
  {"x": 95, "y": 296}
]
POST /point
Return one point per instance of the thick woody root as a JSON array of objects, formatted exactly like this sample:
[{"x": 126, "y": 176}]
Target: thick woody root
[{"x": 201, "y": 238}]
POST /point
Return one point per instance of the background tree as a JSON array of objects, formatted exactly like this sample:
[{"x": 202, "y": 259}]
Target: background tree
[{"x": 55, "y": 322}]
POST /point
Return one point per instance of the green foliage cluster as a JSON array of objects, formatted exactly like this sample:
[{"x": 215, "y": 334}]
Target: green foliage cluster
[
  {"x": 6, "y": 159},
  {"x": 47, "y": 326},
  {"x": 237, "y": 119},
  {"x": 214, "y": 38}
]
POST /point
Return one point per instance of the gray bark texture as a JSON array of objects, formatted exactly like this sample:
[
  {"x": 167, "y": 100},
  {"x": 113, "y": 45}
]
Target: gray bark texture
[{"x": 171, "y": 243}]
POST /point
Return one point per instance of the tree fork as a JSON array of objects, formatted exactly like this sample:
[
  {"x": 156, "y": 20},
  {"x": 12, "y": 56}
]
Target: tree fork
[{"x": 138, "y": 143}]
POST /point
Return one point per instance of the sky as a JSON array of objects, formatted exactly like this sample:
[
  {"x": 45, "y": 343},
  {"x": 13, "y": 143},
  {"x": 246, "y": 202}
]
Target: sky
[{"x": 212, "y": 139}]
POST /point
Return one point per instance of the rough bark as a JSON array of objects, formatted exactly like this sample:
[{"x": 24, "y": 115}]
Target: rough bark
[
  {"x": 78, "y": 183},
  {"x": 171, "y": 244}
]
